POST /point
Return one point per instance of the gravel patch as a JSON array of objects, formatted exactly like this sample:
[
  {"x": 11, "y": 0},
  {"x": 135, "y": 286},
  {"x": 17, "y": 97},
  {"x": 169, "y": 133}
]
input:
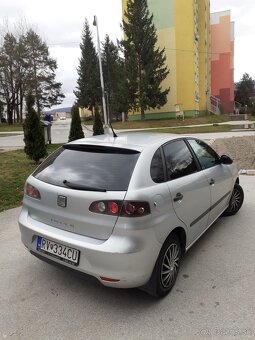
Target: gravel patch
[{"x": 240, "y": 149}]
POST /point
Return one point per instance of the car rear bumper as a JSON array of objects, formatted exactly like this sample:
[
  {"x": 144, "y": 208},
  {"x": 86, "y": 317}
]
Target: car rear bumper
[{"x": 127, "y": 256}]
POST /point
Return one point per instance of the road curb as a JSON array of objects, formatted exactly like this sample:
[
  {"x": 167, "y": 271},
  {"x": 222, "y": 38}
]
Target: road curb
[{"x": 249, "y": 172}]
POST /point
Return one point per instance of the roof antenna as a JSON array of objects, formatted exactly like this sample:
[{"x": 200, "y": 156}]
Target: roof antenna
[
  {"x": 108, "y": 116},
  {"x": 114, "y": 134}
]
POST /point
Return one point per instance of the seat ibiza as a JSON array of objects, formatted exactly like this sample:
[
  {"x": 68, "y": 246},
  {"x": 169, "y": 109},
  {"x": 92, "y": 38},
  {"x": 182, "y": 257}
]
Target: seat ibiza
[{"x": 124, "y": 210}]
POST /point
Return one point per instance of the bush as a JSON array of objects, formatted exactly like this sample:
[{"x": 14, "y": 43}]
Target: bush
[
  {"x": 76, "y": 131},
  {"x": 242, "y": 110},
  {"x": 35, "y": 147},
  {"x": 253, "y": 111},
  {"x": 98, "y": 128}
]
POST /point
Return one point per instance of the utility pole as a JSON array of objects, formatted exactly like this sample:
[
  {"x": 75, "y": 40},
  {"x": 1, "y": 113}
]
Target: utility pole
[{"x": 95, "y": 23}]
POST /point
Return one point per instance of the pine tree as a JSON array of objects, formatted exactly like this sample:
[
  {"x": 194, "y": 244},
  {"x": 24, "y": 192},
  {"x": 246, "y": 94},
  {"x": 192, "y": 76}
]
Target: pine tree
[
  {"x": 245, "y": 90},
  {"x": 88, "y": 84},
  {"x": 76, "y": 131},
  {"x": 98, "y": 128},
  {"x": 42, "y": 72},
  {"x": 145, "y": 63},
  {"x": 9, "y": 74},
  {"x": 114, "y": 78},
  {"x": 33, "y": 133}
]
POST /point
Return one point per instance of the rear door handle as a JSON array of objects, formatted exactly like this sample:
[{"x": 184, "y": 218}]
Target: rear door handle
[
  {"x": 212, "y": 181},
  {"x": 178, "y": 197}
]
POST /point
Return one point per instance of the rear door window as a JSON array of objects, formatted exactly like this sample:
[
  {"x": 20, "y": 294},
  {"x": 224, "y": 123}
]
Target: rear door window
[{"x": 84, "y": 166}]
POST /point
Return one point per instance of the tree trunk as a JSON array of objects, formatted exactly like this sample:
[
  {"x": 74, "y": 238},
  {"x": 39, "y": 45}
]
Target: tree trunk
[
  {"x": 142, "y": 114},
  {"x": 21, "y": 110},
  {"x": 9, "y": 114},
  {"x": 17, "y": 110}
]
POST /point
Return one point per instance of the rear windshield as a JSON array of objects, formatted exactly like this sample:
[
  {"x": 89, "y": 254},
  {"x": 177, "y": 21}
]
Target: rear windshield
[{"x": 89, "y": 168}]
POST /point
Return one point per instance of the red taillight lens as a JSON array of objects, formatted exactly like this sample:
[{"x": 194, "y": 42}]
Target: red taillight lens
[
  {"x": 113, "y": 207},
  {"x": 135, "y": 209},
  {"x": 121, "y": 208},
  {"x": 31, "y": 191}
]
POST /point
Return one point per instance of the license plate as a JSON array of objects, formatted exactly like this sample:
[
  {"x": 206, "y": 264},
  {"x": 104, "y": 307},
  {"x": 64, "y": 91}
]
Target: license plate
[{"x": 57, "y": 250}]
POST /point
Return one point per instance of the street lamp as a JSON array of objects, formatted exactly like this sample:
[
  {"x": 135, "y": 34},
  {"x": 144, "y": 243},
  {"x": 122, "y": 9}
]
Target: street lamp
[{"x": 95, "y": 23}]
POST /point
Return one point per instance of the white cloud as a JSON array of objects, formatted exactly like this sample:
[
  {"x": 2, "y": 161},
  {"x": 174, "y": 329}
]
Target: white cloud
[{"x": 60, "y": 23}]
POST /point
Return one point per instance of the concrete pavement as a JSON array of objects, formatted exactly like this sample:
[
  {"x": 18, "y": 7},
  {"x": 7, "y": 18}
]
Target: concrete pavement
[
  {"x": 60, "y": 132},
  {"x": 213, "y": 298}
]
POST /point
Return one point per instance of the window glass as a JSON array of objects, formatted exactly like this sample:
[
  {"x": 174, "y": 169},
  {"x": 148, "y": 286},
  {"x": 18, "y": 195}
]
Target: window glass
[
  {"x": 207, "y": 156},
  {"x": 179, "y": 160},
  {"x": 157, "y": 169},
  {"x": 95, "y": 167}
]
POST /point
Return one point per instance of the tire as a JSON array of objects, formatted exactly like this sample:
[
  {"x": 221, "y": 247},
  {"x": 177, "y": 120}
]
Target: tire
[
  {"x": 166, "y": 268},
  {"x": 236, "y": 201}
]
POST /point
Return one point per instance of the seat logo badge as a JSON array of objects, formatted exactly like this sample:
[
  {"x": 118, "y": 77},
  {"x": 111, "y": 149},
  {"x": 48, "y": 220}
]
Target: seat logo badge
[{"x": 62, "y": 201}]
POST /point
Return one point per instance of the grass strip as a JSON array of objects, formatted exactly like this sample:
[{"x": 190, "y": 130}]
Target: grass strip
[{"x": 15, "y": 167}]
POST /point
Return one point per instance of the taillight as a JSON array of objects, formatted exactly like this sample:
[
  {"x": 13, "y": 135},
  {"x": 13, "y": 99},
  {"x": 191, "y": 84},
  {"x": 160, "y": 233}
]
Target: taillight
[
  {"x": 135, "y": 209},
  {"x": 106, "y": 207},
  {"x": 121, "y": 208},
  {"x": 31, "y": 191}
]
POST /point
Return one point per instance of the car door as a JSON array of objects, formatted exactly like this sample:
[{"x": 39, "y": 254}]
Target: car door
[
  {"x": 188, "y": 187},
  {"x": 218, "y": 175}
]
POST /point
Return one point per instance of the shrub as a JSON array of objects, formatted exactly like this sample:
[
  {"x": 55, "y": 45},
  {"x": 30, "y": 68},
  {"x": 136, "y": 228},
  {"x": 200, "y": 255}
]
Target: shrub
[
  {"x": 242, "y": 110},
  {"x": 35, "y": 147},
  {"x": 98, "y": 128},
  {"x": 76, "y": 131}
]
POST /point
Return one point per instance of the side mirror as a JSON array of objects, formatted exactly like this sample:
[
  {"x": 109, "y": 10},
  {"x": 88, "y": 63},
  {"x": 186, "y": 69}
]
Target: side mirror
[{"x": 224, "y": 159}]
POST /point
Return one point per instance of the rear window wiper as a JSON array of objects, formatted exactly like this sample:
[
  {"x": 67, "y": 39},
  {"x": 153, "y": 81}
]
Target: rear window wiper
[{"x": 82, "y": 187}]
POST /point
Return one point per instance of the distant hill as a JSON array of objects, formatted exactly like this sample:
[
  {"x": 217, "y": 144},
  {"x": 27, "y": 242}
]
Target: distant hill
[{"x": 61, "y": 109}]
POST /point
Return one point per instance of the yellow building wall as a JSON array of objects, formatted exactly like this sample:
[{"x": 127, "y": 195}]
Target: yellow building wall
[
  {"x": 187, "y": 57},
  {"x": 204, "y": 53},
  {"x": 185, "y": 67}
]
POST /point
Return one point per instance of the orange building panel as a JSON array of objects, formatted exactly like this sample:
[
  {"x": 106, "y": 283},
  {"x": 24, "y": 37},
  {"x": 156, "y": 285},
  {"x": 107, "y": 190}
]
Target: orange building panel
[{"x": 222, "y": 59}]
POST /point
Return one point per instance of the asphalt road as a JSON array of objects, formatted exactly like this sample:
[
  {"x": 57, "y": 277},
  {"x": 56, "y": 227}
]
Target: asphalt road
[
  {"x": 61, "y": 128},
  {"x": 213, "y": 298},
  {"x": 59, "y": 131}
]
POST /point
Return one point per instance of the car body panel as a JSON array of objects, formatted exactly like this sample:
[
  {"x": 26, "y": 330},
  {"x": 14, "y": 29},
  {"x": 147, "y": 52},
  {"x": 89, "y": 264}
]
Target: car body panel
[
  {"x": 220, "y": 190},
  {"x": 75, "y": 217},
  {"x": 193, "y": 209},
  {"x": 126, "y": 248},
  {"x": 127, "y": 255}
]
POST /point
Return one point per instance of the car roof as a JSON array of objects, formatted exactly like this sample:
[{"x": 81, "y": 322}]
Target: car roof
[{"x": 128, "y": 140}]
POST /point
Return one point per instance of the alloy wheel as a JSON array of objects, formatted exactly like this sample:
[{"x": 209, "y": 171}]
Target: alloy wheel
[
  {"x": 236, "y": 200},
  {"x": 170, "y": 265}
]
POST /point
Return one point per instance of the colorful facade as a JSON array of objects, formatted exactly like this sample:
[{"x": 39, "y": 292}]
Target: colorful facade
[
  {"x": 222, "y": 51},
  {"x": 183, "y": 28}
]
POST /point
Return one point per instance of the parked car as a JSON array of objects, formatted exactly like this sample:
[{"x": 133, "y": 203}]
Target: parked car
[
  {"x": 124, "y": 210},
  {"x": 62, "y": 117}
]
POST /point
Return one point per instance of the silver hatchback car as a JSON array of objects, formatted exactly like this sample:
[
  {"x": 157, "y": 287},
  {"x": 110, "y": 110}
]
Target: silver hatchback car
[{"x": 124, "y": 210}]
